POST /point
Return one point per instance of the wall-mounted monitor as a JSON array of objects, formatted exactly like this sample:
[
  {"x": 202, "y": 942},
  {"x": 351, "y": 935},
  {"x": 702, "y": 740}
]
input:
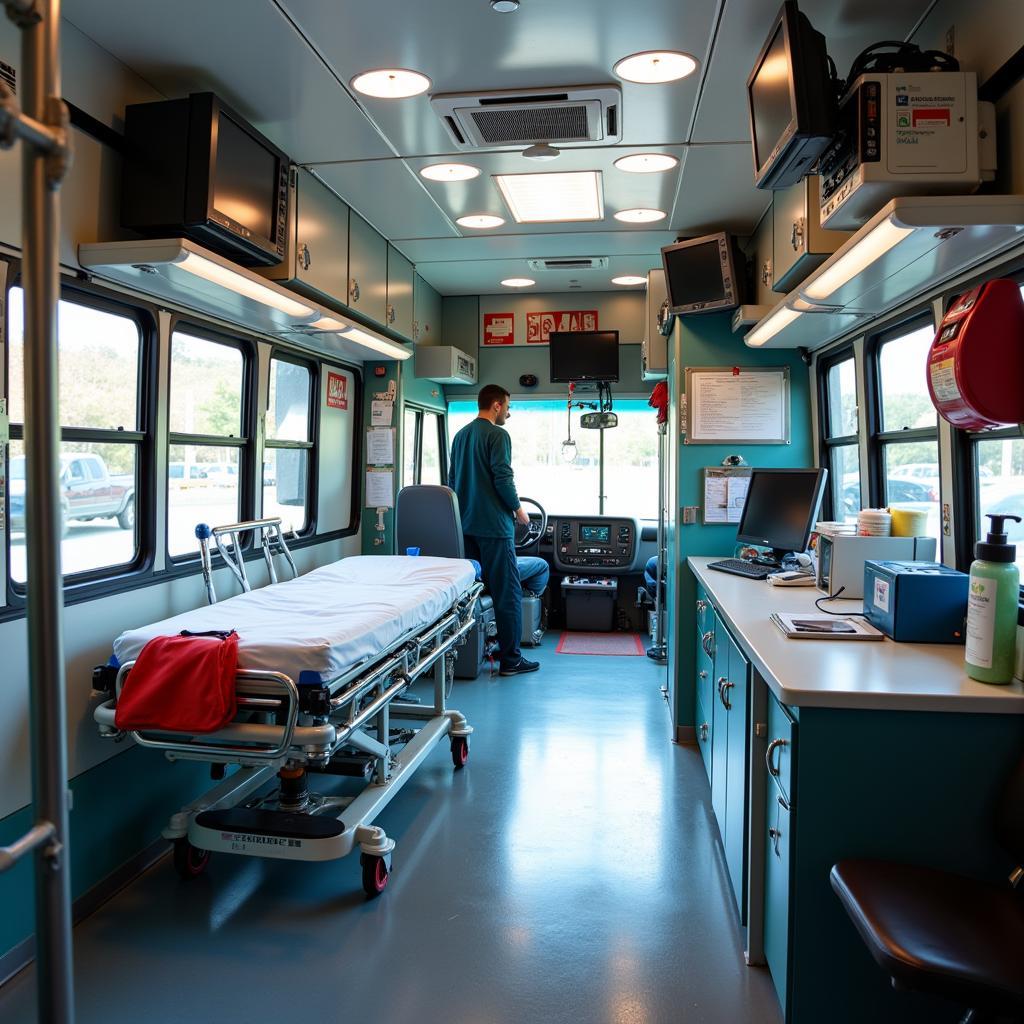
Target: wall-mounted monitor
[
  {"x": 703, "y": 275},
  {"x": 791, "y": 101},
  {"x": 591, "y": 356}
]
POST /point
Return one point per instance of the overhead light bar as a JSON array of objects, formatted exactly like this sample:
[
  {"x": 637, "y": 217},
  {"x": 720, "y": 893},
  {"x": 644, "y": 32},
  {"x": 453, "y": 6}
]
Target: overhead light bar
[
  {"x": 391, "y": 83},
  {"x": 770, "y": 326},
  {"x": 553, "y": 198},
  {"x": 646, "y": 163},
  {"x": 242, "y": 285},
  {"x": 390, "y": 349},
  {"x": 654, "y": 67},
  {"x": 479, "y": 221},
  {"x": 640, "y": 216},
  {"x": 450, "y": 172},
  {"x": 331, "y": 325},
  {"x": 875, "y": 244}
]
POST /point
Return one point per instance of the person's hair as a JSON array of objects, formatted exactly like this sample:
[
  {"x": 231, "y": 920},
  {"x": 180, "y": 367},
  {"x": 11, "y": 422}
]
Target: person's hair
[{"x": 489, "y": 394}]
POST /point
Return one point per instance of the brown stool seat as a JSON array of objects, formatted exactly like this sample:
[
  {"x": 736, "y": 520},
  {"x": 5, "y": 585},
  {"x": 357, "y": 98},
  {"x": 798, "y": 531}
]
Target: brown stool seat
[{"x": 938, "y": 932}]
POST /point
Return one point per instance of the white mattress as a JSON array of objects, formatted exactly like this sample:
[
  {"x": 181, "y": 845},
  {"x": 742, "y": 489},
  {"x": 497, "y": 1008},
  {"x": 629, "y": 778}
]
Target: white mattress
[{"x": 328, "y": 620}]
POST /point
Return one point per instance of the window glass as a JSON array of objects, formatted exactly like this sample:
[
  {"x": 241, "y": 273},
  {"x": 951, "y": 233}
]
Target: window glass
[
  {"x": 202, "y": 488},
  {"x": 430, "y": 457},
  {"x": 844, "y": 474},
  {"x": 285, "y": 486},
  {"x": 288, "y": 407},
  {"x": 902, "y": 363},
  {"x": 206, "y": 387},
  {"x": 1000, "y": 468},
  {"x": 912, "y": 479},
  {"x": 842, "y": 399},
  {"x": 631, "y": 462},
  {"x": 410, "y": 419}
]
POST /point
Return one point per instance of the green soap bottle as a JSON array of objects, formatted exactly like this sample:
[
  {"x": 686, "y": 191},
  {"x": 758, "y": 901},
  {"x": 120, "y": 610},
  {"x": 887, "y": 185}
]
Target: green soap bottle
[{"x": 992, "y": 600}]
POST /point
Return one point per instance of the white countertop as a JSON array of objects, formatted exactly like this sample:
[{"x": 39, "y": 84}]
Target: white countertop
[{"x": 864, "y": 674}]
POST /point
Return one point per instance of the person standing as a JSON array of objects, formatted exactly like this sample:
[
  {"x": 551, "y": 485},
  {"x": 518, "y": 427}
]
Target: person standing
[{"x": 480, "y": 473}]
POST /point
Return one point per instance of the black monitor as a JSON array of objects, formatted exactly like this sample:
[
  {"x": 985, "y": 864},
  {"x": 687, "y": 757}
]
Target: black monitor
[
  {"x": 584, "y": 356},
  {"x": 703, "y": 275},
  {"x": 791, "y": 101},
  {"x": 781, "y": 508}
]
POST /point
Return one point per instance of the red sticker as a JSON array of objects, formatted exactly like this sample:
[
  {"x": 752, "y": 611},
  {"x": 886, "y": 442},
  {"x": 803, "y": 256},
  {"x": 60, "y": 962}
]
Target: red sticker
[
  {"x": 337, "y": 391},
  {"x": 499, "y": 329},
  {"x": 540, "y": 325}
]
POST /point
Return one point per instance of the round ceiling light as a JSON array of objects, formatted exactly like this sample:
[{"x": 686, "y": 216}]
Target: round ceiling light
[
  {"x": 391, "y": 83},
  {"x": 504, "y": 6},
  {"x": 480, "y": 220},
  {"x": 628, "y": 279},
  {"x": 449, "y": 172},
  {"x": 640, "y": 216},
  {"x": 518, "y": 282},
  {"x": 646, "y": 163},
  {"x": 655, "y": 66}
]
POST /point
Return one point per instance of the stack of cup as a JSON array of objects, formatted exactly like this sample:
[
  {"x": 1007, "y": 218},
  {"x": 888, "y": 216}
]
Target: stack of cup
[
  {"x": 908, "y": 522},
  {"x": 874, "y": 522}
]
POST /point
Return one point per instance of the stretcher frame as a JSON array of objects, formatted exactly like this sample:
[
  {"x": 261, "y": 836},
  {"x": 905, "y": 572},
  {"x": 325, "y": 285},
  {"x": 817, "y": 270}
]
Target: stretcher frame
[{"x": 362, "y": 701}]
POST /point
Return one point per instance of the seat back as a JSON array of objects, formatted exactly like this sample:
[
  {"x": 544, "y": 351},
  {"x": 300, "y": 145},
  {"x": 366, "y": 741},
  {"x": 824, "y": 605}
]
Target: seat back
[
  {"x": 427, "y": 517},
  {"x": 1010, "y": 815}
]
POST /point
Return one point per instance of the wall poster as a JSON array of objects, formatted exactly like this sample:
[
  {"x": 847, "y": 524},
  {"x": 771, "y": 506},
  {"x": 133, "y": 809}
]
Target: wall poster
[
  {"x": 337, "y": 391},
  {"x": 540, "y": 325},
  {"x": 499, "y": 329},
  {"x": 745, "y": 404}
]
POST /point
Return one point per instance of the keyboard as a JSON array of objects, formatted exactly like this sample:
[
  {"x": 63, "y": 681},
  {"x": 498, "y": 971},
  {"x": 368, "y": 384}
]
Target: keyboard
[{"x": 738, "y": 567}]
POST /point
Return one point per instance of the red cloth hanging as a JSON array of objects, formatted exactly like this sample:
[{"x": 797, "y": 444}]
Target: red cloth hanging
[{"x": 659, "y": 401}]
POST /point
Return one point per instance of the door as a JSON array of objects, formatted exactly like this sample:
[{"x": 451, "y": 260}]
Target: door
[
  {"x": 427, "y": 313},
  {"x": 400, "y": 293},
  {"x": 720, "y": 726},
  {"x": 367, "y": 270},
  {"x": 736, "y": 695},
  {"x": 77, "y": 489},
  {"x": 321, "y": 238},
  {"x": 776, "y": 888}
]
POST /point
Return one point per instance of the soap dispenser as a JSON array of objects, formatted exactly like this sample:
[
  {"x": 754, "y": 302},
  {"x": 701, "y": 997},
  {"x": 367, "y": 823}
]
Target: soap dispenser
[{"x": 992, "y": 600}]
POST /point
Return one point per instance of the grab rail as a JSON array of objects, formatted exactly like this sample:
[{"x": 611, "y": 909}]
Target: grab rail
[{"x": 272, "y": 543}]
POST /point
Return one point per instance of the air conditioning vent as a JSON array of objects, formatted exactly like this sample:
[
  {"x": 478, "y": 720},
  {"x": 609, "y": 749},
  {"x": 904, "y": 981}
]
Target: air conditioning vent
[
  {"x": 566, "y": 117},
  {"x": 570, "y": 263},
  {"x": 9, "y": 75}
]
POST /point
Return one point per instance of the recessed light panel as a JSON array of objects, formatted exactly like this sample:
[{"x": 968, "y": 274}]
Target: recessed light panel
[
  {"x": 552, "y": 198},
  {"x": 391, "y": 83},
  {"x": 640, "y": 216},
  {"x": 628, "y": 279},
  {"x": 518, "y": 282},
  {"x": 646, "y": 163},
  {"x": 449, "y": 172},
  {"x": 480, "y": 221},
  {"x": 655, "y": 66}
]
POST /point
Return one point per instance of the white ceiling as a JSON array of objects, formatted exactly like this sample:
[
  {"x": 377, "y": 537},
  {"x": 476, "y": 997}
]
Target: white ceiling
[{"x": 286, "y": 65}]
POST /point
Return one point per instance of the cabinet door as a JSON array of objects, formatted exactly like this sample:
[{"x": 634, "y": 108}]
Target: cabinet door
[
  {"x": 779, "y": 752},
  {"x": 720, "y": 727},
  {"x": 705, "y": 640},
  {"x": 321, "y": 238},
  {"x": 778, "y": 817},
  {"x": 801, "y": 244},
  {"x": 367, "y": 270},
  {"x": 735, "y": 696},
  {"x": 400, "y": 289},
  {"x": 427, "y": 314},
  {"x": 703, "y": 721}
]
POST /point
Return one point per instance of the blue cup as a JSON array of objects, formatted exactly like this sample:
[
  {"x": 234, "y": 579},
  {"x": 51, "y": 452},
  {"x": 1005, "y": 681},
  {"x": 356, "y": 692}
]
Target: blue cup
[{"x": 412, "y": 552}]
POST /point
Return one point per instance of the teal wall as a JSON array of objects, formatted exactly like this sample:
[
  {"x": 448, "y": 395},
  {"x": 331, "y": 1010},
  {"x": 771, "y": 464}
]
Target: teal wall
[
  {"x": 120, "y": 805},
  {"x": 373, "y": 384},
  {"x": 709, "y": 341}
]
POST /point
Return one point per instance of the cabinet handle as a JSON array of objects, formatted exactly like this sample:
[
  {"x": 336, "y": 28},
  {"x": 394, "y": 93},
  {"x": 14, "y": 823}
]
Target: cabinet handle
[
  {"x": 772, "y": 770},
  {"x": 724, "y": 686},
  {"x": 392, "y": 316},
  {"x": 701, "y": 607},
  {"x": 766, "y": 272},
  {"x": 703, "y": 674},
  {"x": 704, "y": 731},
  {"x": 775, "y": 835},
  {"x": 353, "y": 290},
  {"x": 705, "y": 642},
  {"x": 304, "y": 257},
  {"x": 797, "y": 238}
]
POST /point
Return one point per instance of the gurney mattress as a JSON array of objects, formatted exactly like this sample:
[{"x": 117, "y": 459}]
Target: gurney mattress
[{"x": 328, "y": 620}]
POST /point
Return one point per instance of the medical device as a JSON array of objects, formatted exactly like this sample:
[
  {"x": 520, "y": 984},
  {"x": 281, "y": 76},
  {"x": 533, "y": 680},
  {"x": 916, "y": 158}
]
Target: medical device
[
  {"x": 194, "y": 167},
  {"x": 841, "y": 559},
  {"x": 916, "y": 602},
  {"x": 584, "y": 356},
  {"x": 704, "y": 275},
  {"x": 780, "y": 509},
  {"x": 790, "y": 100}
]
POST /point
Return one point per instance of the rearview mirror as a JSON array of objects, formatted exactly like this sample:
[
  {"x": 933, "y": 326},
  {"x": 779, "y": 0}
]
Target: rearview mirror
[{"x": 598, "y": 420}]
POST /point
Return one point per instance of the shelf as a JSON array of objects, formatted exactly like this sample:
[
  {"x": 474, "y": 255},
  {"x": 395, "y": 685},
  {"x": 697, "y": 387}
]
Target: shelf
[
  {"x": 179, "y": 271},
  {"x": 909, "y": 247}
]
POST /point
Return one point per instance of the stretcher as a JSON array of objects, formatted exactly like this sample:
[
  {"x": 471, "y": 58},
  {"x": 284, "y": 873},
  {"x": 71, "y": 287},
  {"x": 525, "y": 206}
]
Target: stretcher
[{"x": 324, "y": 662}]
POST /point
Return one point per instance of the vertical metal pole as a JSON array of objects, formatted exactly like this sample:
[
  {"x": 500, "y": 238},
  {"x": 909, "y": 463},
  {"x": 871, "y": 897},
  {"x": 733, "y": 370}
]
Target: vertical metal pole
[
  {"x": 40, "y": 246},
  {"x": 600, "y": 474},
  {"x": 659, "y": 604}
]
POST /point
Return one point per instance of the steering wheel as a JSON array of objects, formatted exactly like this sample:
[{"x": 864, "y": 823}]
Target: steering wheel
[{"x": 528, "y": 534}]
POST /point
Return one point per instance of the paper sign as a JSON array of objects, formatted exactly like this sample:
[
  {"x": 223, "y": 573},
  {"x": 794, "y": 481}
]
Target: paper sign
[
  {"x": 379, "y": 488},
  {"x": 499, "y": 329},
  {"x": 380, "y": 446},
  {"x": 540, "y": 325},
  {"x": 337, "y": 391},
  {"x": 381, "y": 412}
]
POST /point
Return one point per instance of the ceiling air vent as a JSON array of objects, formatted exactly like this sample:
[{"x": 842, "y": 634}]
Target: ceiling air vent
[
  {"x": 9, "y": 75},
  {"x": 570, "y": 263},
  {"x": 577, "y": 116}
]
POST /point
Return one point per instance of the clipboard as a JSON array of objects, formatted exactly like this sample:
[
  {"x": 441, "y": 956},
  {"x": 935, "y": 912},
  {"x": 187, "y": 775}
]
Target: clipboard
[{"x": 725, "y": 491}]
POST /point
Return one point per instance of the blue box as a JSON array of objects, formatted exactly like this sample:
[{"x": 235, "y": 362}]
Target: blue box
[{"x": 916, "y": 602}]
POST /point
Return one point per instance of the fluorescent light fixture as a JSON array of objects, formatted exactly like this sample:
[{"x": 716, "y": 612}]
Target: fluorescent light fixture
[
  {"x": 646, "y": 163},
  {"x": 480, "y": 220},
  {"x": 653, "y": 67},
  {"x": 391, "y": 83},
  {"x": 627, "y": 279},
  {"x": 518, "y": 282},
  {"x": 875, "y": 244},
  {"x": 770, "y": 326},
  {"x": 328, "y": 323},
  {"x": 640, "y": 216},
  {"x": 387, "y": 348},
  {"x": 242, "y": 285},
  {"x": 552, "y": 198},
  {"x": 450, "y": 172}
]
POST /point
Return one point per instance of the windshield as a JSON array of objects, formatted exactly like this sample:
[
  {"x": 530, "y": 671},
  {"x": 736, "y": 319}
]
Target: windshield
[{"x": 17, "y": 469}]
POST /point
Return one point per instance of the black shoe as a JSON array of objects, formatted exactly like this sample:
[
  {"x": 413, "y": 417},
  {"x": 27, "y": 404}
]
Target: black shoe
[{"x": 519, "y": 668}]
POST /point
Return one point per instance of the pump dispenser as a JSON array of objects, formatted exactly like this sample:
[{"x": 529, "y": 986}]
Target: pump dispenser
[{"x": 992, "y": 601}]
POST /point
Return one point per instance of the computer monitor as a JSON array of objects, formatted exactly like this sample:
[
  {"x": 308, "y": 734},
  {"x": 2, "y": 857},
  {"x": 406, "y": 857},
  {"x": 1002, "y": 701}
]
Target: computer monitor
[
  {"x": 591, "y": 356},
  {"x": 781, "y": 508},
  {"x": 703, "y": 275}
]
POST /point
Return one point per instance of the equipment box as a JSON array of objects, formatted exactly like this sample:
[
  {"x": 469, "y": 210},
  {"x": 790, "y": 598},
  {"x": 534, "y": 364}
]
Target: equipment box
[
  {"x": 589, "y": 603},
  {"x": 916, "y": 602}
]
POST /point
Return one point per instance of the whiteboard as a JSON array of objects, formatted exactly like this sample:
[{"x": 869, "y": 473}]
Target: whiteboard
[{"x": 740, "y": 404}]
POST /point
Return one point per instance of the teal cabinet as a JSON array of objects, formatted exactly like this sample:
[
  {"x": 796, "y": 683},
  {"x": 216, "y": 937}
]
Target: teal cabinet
[
  {"x": 427, "y": 325},
  {"x": 777, "y": 878},
  {"x": 703, "y": 721},
  {"x": 400, "y": 293},
  {"x": 367, "y": 270}
]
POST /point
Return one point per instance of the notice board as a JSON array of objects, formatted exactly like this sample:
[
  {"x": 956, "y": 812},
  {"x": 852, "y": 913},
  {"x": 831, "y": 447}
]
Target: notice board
[{"x": 739, "y": 405}]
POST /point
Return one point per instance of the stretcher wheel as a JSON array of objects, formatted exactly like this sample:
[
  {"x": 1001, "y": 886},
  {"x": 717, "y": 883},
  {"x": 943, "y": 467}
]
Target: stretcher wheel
[
  {"x": 189, "y": 861},
  {"x": 460, "y": 751},
  {"x": 375, "y": 874}
]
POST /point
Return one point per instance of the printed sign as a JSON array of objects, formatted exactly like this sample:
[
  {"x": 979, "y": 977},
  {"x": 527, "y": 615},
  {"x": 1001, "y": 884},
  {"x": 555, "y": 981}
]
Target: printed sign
[
  {"x": 499, "y": 329},
  {"x": 540, "y": 325},
  {"x": 337, "y": 391},
  {"x": 881, "y": 597}
]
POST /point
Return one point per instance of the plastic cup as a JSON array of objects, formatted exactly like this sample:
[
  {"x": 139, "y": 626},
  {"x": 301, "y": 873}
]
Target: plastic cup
[
  {"x": 412, "y": 552},
  {"x": 908, "y": 522},
  {"x": 874, "y": 522}
]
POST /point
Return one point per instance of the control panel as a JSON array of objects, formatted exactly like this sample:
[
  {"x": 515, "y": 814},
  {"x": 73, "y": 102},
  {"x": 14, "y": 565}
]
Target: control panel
[{"x": 595, "y": 543}]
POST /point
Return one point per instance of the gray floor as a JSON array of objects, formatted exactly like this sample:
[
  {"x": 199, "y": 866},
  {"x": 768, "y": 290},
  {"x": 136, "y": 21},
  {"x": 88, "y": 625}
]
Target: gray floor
[{"x": 570, "y": 873}]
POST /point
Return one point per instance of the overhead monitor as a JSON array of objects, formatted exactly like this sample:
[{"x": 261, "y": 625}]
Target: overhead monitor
[
  {"x": 703, "y": 275},
  {"x": 591, "y": 356},
  {"x": 781, "y": 508}
]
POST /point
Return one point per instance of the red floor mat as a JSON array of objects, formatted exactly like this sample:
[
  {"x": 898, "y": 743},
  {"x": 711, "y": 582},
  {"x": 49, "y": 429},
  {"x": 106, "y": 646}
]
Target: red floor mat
[{"x": 600, "y": 643}]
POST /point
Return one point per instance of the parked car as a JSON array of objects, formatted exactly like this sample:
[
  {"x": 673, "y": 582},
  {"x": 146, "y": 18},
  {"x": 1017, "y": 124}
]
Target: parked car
[
  {"x": 181, "y": 475},
  {"x": 897, "y": 492},
  {"x": 221, "y": 474},
  {"x": 87, "y": 492}
]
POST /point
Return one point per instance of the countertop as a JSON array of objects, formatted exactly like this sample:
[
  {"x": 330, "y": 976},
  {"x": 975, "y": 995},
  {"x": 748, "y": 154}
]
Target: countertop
[{"x": 870, "y": 675}]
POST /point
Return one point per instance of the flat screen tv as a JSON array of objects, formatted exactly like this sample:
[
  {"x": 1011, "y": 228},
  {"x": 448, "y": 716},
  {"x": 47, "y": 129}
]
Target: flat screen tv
[
  {"x": 195, "y": 168},
  {"x": 584, "y": 356},
  {"x": 703, "y": 275},
  {"x": 791, "y": 101}
]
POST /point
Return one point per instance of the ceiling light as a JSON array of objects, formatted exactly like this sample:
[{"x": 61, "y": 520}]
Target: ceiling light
[
  {"x": 875, "y": 244},
  {"x": 242, "y": 285},
  {"x": 391, "y": 83},
  {"x": 390, "y": 349},
  {"x": 552, "y": 198},
  {"x": 770, "y": 326},
  {"x": 628, "y": 279},
  {"x": 541, "y": 151},
  {"x": 655, "y": 66},
  {"x": 646, "y": 163},
  {"x": 328, "y": 323},
  {"x": 504, "y": 6},
  {"x": 640, "y": 216},
  {"x": 449, "y": 172},
  {"x": 480, "y": 220},
  {"x": 518, "y": 282}
]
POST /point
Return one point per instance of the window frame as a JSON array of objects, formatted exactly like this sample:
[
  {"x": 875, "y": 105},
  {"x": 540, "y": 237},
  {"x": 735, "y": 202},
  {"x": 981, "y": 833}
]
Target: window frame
[
  {"x": 421, "y": 412},
  {"x": 826, "y": 442}
]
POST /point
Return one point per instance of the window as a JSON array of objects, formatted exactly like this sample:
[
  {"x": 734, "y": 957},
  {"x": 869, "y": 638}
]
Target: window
[
  {"x": 423, "y": 460},
  {"x": 410, "y": 428},
  {"x": 207, "y": 437},
  {"x": 102, "y": 432},
  {"x": 906, "y": 441},
  {"x": 999, "y": 484},
  {"x": 840, "y": 423},
  {"x": 430, "y": 448},
  {"x": 288, "y": 448}
]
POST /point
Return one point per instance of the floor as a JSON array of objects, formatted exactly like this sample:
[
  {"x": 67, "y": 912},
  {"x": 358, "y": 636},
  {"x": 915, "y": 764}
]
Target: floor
[{"x": 570, "y": 873}]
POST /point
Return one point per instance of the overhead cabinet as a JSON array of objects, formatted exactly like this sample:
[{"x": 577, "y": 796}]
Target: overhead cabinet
[
  {"x": 427, "y": 314},
  {"x": 800, "y": 243},
  {"x": 400, "y": 293},
  {"x": 367, "y": 270}
]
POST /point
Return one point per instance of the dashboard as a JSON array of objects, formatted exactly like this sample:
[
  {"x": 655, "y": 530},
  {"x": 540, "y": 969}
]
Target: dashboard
[{"x": 607, "y": 544}]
